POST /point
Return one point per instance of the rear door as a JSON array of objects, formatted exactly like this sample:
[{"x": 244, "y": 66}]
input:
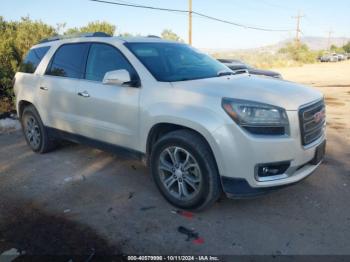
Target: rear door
[
  {"x": 59, "y": 85},
  {"x": 26, "y": 82},
  {"x": 108, "y": 113}
]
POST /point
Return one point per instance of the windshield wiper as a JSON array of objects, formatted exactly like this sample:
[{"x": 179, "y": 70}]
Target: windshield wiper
[
  {"x": 233, "y": 72},
  {"x": 225, "y": 73}
]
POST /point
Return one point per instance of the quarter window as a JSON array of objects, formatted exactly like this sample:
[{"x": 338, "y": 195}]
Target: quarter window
[
  {"x": 33, "y": 59},
  {"x": 104, "y": 58},
  {"x": 69, "y": 61}
]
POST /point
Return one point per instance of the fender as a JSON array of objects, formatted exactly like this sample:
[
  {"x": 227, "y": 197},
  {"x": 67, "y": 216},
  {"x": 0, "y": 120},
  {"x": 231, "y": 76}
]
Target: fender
[{"x": 207, "y": 121}]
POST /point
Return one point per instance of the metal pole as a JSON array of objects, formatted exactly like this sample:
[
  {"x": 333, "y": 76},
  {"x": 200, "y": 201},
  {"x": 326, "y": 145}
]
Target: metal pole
[
  {"x": 190, "y": 22},
  {"x": 298, "y": 31},
  {"x": 330, "y": 32}
]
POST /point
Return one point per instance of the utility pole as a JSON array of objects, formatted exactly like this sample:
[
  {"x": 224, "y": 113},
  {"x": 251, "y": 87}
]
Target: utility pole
[
  {"x": 298, "y": 31},
  {"x": 330, "y": 32},
  {"x": 190, "y": 22}
]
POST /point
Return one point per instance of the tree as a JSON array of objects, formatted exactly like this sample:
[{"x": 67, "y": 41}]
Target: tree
[
  {"x": 17, "y": 37},
  {"x": 15, "y": 40},
  {"x": 170, "y": 35},
  {"x": 347, "y": 47},
  {"x": 97, "y": 26},
  {"x": 29, "y": 32},
  {"x": 336, "y": 49}
]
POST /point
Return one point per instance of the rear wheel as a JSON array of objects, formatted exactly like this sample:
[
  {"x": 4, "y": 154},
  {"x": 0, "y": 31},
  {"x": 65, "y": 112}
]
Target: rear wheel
[
  {"x": 35, "y": 132},
  {"x": 185, "y": 171}
]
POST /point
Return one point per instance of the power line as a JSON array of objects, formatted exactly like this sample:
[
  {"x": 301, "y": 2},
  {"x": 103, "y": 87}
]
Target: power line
[
  {"x": 193, "y": 12},
  {"x": 242, "y": 25},
  {"x": 140, "y": 6}
]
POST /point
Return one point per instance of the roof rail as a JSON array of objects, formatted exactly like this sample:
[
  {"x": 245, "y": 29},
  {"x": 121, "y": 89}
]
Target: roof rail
[{"x": 60, "y": 37}]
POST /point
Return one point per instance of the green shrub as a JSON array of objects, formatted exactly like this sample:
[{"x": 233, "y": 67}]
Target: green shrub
[
  {"x": 300, "y": 53},
  {"x": 15, "y": 40}
]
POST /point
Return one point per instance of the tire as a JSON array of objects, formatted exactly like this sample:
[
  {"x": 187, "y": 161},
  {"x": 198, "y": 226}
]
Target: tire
[
  {"x": 197, "y": 182},
  {"x": 35, "y": 132}
]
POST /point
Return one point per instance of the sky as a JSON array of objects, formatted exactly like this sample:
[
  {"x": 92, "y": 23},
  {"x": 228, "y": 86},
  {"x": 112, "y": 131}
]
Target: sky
[{"x": 321, "y": 16}]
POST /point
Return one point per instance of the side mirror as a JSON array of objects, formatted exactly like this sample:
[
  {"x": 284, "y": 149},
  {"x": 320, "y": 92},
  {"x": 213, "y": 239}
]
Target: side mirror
[{"x": 116, "y": 77}]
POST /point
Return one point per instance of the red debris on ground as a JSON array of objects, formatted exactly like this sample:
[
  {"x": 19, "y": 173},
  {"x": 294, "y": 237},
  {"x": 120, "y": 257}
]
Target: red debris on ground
[
  {"x": 198, "y": 241},
  {"x": 186, "y": 214}
]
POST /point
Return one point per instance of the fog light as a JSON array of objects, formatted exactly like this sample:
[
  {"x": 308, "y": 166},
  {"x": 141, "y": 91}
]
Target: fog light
[{"x": 272, "y": 169}]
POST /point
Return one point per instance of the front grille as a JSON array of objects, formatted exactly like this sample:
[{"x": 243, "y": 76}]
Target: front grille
[{"x": 312, "y": 121}]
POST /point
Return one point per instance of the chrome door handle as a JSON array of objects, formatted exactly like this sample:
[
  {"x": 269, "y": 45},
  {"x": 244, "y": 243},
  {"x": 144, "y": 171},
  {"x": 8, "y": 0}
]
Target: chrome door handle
[
  {"x": 44, "y": 88},
  {"x": 84, "y": 94}
]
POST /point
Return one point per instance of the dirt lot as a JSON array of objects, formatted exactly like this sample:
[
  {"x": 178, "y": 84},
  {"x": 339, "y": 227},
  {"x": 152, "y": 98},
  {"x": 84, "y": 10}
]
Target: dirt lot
[{"x": 78, "y": 200}]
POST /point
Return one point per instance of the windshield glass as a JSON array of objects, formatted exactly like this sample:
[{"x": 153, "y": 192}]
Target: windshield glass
[{"x": 170, "y": 62}]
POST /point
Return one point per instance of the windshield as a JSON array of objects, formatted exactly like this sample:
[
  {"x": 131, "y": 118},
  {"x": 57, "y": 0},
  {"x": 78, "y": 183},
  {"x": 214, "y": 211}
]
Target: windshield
[{"x": 170, "y": 62}]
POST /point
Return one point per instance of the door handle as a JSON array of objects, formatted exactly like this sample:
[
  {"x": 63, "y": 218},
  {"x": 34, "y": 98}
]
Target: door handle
[
  {"x": 84, "y": 94},
  {"x": 44, "y": 88}
]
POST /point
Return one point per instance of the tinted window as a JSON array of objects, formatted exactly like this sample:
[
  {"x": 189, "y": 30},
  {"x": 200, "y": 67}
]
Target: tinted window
[
  {"x": 69, "y": 61},
  {"x": 33, "y": 59},
  {"x": 104, "y": 58},
  {"x": 170, "y": 62}
]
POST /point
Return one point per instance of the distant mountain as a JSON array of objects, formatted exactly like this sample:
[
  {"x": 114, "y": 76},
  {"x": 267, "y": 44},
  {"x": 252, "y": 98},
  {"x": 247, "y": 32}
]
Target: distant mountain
[
  {"x": 313, "y": 42},
  {"x": 319, "y": 43}
]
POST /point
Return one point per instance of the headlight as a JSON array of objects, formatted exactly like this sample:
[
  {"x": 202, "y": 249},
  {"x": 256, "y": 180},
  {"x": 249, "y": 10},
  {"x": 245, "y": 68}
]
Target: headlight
[{"x": 257, "y": 118}]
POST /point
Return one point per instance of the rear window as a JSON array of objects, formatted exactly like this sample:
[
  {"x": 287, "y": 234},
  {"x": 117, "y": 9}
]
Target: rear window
[
  {"x": 33, "y": 59},
  {"x": 69, "y": 61}
]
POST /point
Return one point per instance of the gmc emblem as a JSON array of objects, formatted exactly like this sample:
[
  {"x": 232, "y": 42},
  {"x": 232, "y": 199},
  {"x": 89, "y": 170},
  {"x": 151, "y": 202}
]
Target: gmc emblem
[{"x": 319, "y": 116}]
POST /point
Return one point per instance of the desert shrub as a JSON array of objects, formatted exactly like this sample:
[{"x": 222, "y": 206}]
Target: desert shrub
[{"x": 300, "y": 53}]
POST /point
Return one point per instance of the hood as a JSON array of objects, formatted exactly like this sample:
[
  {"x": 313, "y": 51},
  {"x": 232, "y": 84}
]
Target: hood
[{"x": 287, "y": 95}]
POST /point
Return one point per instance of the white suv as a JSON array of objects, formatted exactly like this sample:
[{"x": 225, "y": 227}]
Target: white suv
[{"x": 201, "y": 128}]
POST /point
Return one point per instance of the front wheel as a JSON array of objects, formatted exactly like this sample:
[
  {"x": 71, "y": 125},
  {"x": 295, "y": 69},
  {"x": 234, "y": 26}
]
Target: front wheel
[{"x": 185, "y": 171}]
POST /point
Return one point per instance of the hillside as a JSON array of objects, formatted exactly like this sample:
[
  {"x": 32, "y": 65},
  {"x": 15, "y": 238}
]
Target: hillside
[
  {"x": 319, "y": 43},
  {"x": 313, "y": 42}
]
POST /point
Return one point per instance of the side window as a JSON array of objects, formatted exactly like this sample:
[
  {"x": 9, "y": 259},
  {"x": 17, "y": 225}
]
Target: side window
[
  {"x": 33, "y": 59},
  {"x": 69, "y": 61},
  {"x": 104, "y": 58}
]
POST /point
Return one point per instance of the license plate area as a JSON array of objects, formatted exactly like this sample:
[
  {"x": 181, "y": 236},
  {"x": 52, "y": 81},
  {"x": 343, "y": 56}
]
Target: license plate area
[{"x": 319, "y": 153}]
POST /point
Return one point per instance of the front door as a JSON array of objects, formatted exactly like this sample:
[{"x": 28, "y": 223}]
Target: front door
[{"x": 108, "y": 113}]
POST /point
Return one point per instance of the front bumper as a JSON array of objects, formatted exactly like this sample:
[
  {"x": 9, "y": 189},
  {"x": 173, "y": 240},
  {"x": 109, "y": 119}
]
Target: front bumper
[
  {"x": 241, "y": 153},
  {"x": 240, "y": 188}
]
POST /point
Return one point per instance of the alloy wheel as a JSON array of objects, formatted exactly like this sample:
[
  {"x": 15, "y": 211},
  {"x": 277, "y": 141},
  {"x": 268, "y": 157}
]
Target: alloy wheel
[
  {"x": 180, "y": 173},
  {"x": 32, "y": 132}
]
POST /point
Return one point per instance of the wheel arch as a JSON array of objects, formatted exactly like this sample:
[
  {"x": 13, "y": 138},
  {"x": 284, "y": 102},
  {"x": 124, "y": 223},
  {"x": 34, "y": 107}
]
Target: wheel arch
[
  {"x": 158, "y": 130},
  {"x": 22, "y": 104}
]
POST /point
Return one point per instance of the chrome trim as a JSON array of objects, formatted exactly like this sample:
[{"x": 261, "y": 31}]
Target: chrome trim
[{"x": 315, "y": 130}]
